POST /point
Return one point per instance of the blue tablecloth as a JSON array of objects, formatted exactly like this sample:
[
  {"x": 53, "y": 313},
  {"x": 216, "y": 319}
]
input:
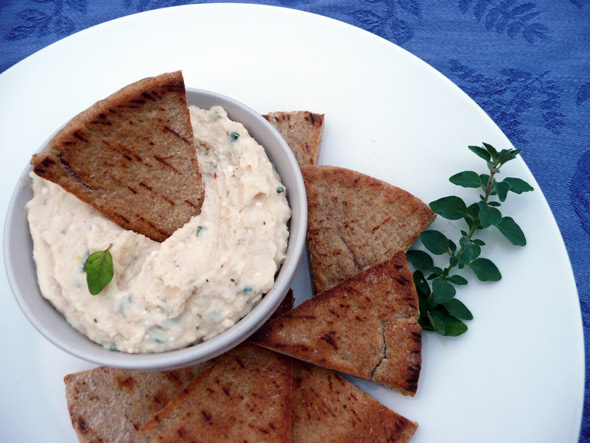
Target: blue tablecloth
[{"x": 526, "y": 63}]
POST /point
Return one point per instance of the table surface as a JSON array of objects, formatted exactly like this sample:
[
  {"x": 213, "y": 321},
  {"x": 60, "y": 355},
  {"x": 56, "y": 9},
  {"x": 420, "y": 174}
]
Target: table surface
[{"x": 526, "y": 63}]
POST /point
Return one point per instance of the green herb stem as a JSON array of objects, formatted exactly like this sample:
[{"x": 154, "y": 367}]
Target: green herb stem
[{"x": 439, "y": 310}]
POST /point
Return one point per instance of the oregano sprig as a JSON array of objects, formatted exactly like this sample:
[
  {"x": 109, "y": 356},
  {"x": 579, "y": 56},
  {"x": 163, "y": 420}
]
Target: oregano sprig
[{"x": 440, "y": 311}]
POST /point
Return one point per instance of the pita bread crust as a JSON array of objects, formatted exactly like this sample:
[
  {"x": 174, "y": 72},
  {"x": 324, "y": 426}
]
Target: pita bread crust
[
  {"x": 327, "y": 407},
  {"x": 356, "y": 221},
  {"x": 108, "y": 404},
  {"x": 132, "y": 156},
  {"x": 302, "y": 130},
  {"x": 245, "y": 396},
  {"x": 365, "y": 326}
]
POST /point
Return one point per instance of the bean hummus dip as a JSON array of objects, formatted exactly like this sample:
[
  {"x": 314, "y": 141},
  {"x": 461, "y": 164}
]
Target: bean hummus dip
[{"x": 193, "y": 286}]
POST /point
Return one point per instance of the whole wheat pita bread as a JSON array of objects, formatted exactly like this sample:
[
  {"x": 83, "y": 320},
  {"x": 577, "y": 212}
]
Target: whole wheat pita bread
[
  {"x": 356, "y": 221},
  {"x": 365, "y": 326},
  {"x": 132, "y": 156},
  {"x": 108, "y": 404},
  {"x": 244, "y": 396},
  {"x": 327, "y": 407},
  {"x": 302, "y": 130}
]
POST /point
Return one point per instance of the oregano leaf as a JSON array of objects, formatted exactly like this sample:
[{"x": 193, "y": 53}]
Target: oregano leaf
[
  {"x": 451, "y": 208},
  {"x": 442, "y": 291},
  {"x": 470, "y": 252},
  {"x": 421, "y": 284},
  {"x": 454, "y": 327},
  {"x": 458, "y": 280},
  {"x": 419, "y": 259},
  {"x": 423, "y": 291},
  {"x": 485, "y": 270},
  {"x": 99, "y": 270},
  {"x": 488, "y": 215},
  {"x": 480, "y": 152},
  {"x": 457, "y": 309},
  {"x": 517, "y": 185},
  {"x": 501, "y": 189},
  {"x": 493, "y": 152},
  {"x": 437, "y": 321},
  {"x": 511, "y": 231},
  {"x": 467, "y": 179},
  {"x": 436, "y": 272},
  {"x": 435, "y": 241}
]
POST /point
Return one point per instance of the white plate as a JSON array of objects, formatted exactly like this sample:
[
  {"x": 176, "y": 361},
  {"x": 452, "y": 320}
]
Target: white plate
[{"x": 517, "y": 375}]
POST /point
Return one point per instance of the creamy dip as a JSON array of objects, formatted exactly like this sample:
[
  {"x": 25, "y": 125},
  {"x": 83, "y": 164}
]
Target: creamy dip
[{"x": 193, "y": 286}]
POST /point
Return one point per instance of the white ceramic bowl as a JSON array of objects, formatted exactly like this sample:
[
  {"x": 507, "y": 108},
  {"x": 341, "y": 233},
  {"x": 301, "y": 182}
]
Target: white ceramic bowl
[{"x": 21, "y": 270}]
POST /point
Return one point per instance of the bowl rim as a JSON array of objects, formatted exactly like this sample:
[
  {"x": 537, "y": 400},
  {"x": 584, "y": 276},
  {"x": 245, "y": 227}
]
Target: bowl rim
[{"x": 222, "y": 342}]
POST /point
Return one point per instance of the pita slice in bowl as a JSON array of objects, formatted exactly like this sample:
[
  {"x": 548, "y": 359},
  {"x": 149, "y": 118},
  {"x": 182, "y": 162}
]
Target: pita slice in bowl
[
  {"x": 356, "y": 221},
  {"x": 131, "y": 156},
  {"x": 366, "y": 326}
]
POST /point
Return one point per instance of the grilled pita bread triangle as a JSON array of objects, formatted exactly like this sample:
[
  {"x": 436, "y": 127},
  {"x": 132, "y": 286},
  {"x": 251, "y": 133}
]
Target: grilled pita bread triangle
[
  {"x": 108, "y": 404},
  {"x": 244, "y": 396},
  {"x": 131, "y": 156},
  {"x": 356, "y": 221},
  {"x": 302, "y": 130},
  {"x": 365, "y": 326},
  {"x": 327, "y": 407}
]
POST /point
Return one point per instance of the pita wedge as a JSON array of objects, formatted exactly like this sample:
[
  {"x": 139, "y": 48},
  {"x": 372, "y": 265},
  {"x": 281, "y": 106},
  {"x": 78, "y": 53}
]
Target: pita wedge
[
  {"x": 365, "y": 326},
  {"x": 131, "y": 156},
  {"x": 356, "y": 221},
  {"x": 302, "y": 130},
  {"x": 108, "y": 404},
  {"x": 327, "y": 407},
  {"x": 245, "y": 396}
]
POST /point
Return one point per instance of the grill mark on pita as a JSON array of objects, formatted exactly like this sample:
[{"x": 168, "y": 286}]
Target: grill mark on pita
[
  {"x": 258, "y": 428},
  {"x": 71, "y": 171},
  {"x": 167, "y": 199},
  {"x": 122, "y": 217},
  {"x": 79, "y": 136},
  {"x": 148, "y": 187},
  {"x": 188, "y": 202},
  {"x": 402, "y": 280},
  {"x": 379, "y": 226},
  {"x": 132, "y": 189},
  {"x": 166, "y": 128},
  {"x": 412, "y": 379},
  {"x": 83, "y": 428},
  {"x": 206, "y": 415},
  {"x": 165, "y": 163},
  {"x": 329, "y": 339},
  {"x": 174, "y": 88},
  {"x": 173, "y": 377},
  {"x": 154, "y": 227}
]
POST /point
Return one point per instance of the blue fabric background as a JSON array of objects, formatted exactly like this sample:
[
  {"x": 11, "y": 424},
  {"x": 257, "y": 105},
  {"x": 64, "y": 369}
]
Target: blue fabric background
[{"x": 527, "y": 64}]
